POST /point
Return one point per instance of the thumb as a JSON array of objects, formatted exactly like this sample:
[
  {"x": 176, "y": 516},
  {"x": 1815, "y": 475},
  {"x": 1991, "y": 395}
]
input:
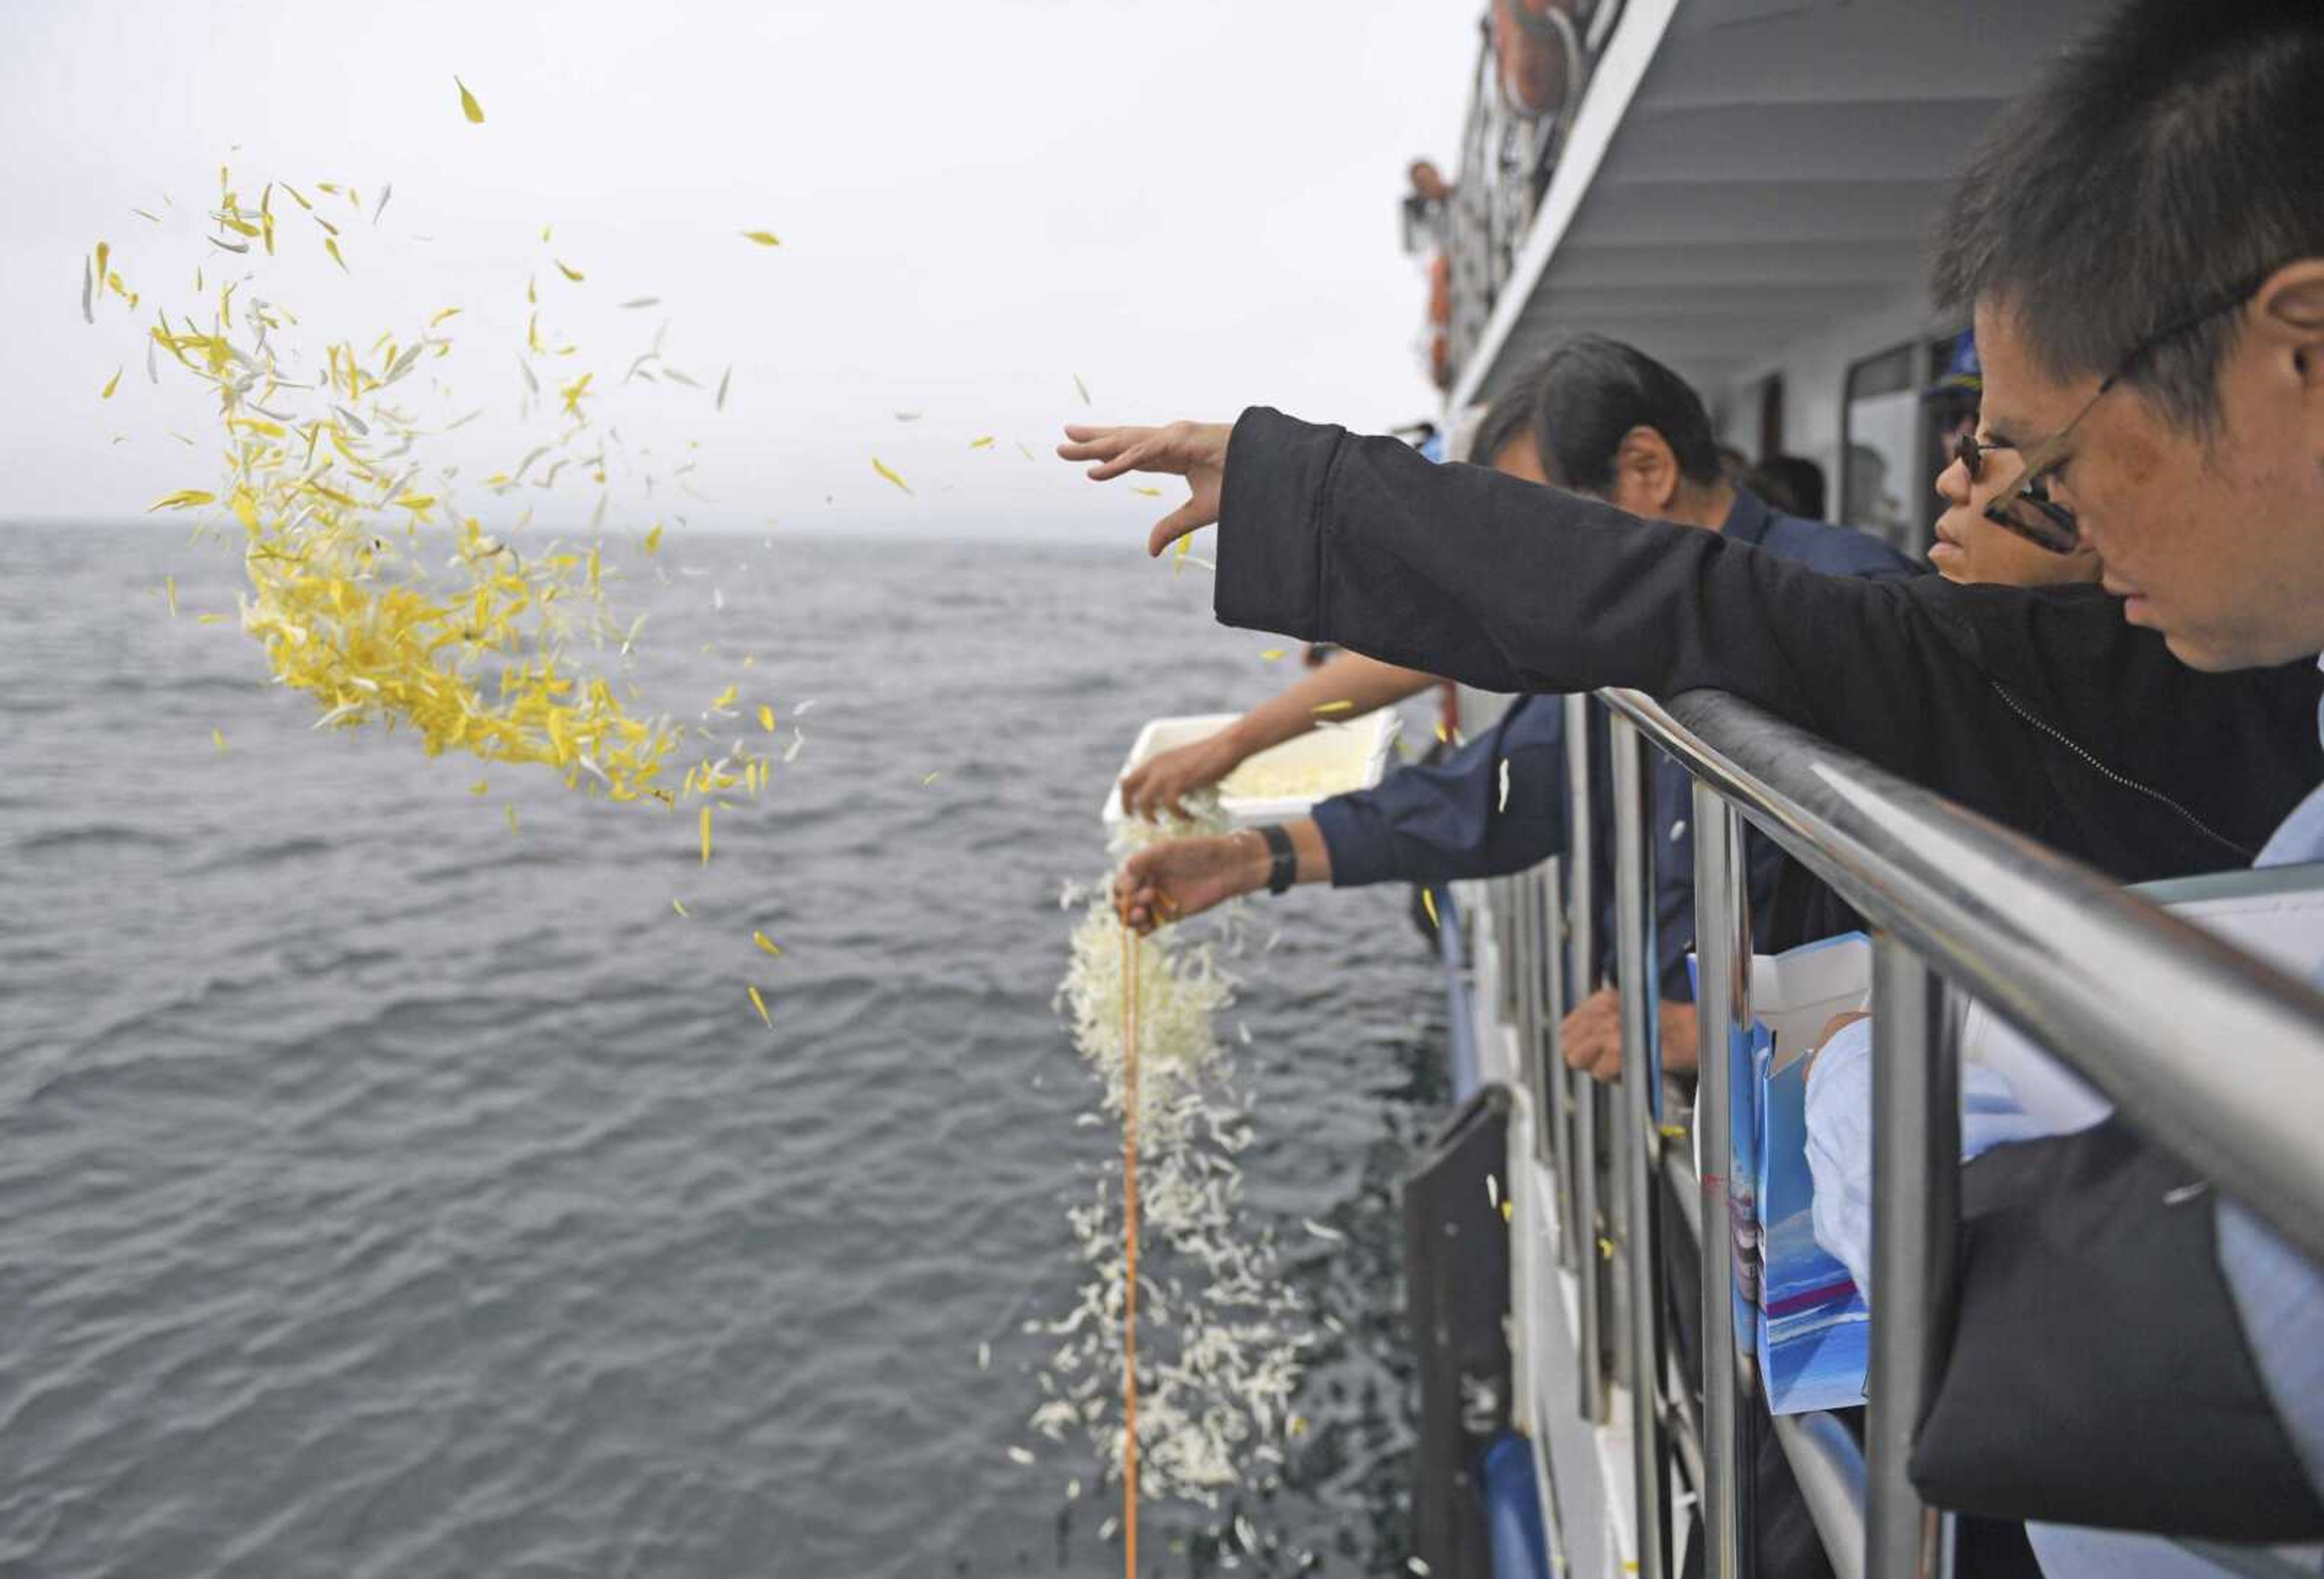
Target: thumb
[{"x": 1188, "y": 517}]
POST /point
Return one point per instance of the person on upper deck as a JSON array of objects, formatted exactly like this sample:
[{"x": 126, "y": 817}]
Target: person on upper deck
[
  {"x": 2144, "y": 246},
  {"x": 1609, "y": 421}
]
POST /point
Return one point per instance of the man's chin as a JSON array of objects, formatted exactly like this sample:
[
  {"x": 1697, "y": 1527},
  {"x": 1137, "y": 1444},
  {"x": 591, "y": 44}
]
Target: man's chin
[{"x": 2219, "y": 652}]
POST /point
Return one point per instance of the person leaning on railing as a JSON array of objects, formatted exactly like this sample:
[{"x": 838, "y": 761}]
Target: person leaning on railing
[
  {"x": 1608, "y": 420},
  {"x": 2157, "y": 358}
]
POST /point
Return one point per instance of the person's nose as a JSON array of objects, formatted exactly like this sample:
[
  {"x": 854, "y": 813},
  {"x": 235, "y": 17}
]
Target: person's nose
[{"x": 1954, "y": 482}]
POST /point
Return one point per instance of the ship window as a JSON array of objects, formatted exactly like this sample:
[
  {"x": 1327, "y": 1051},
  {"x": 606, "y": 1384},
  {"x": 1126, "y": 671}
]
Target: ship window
[{"x": 1880, "y": 480}]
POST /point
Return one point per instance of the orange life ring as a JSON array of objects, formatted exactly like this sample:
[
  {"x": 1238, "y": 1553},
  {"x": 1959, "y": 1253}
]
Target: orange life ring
[{"x": 1538, "y": 48}]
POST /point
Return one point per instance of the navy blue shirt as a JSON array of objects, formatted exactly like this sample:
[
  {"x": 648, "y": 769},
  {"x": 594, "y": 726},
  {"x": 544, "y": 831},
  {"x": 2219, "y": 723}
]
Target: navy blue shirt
[{"x": 1445, "y": 821}]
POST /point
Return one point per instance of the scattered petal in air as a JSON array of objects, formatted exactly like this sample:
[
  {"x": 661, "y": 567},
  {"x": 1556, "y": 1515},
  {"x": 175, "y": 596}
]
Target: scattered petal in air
[
  {"x": 1428, "y": 903},
  {"x": 87, "y": 289},
  {"x": 385, "y": 192},
  {"x": 705, "y": 835},
  {"x": 183, "y": 499},
  {"x": 141, "y": 214},
  {"x": 568, "y": 271},
  {"x": 725, "y": 379},
  {"x": 1083, "y": 388},
  {"x": 110, "y": 385},
  {"x": 908, "y": 416},
  {"x": 169, "y": 594},
  {"x": 768, "y": 945},
  {"x": 1505, "y": 785},
  {"x": 511, "y": 810},
  {"x": 984, "y": 443},
  {"x": 449, "y": 312},
  {"x": 1272, "y": 654},
  {"x": 1150, "y": 493},
  {"x": 881, "y": 466},
  {"x": 759, "y": 1005},
  {"x": 1328, "y": 1236},
  {"x": 931, "y": 778},
  {"x": 481, "y": 787},
  {"x": 763, "y": 237},
  {"x": 1019, "y": 1455},
  {"x": 679, "y": 906},
  {"x": 653, "y": 538},
  {"x": 217, "y": 738},
  {"x": 330, "y": 245},
  {"x": 1340, "y": 707},
  {"x": 643, "y": 302},
  {"x": 1023, "y": 451},
  {"x": 468, "y": 105},
  {"x": 767, "y": 719}
]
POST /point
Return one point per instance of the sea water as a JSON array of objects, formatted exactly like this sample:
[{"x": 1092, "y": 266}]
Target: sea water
[{"x": 383, "y": 1192}]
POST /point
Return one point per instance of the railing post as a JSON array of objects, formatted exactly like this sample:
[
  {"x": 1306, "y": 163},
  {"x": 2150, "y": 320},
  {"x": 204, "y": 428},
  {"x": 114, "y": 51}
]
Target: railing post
[
  {"x": 1722, "y": 932},
  {"x": 1639, "y": 1140},
  {"x": 1581, "y": 1092},
  {"x": 1552, "y": 1124},
  {"x": 1915, "y": 1223},
  {"x": 1526, "y": 930}
]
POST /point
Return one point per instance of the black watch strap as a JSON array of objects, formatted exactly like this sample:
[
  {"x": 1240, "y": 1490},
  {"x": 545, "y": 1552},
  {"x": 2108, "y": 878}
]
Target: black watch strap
[{"x": 1282, "y": 857}]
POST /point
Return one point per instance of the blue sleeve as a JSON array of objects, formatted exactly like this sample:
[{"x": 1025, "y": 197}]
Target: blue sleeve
[{"x": 1439, "y": 823}]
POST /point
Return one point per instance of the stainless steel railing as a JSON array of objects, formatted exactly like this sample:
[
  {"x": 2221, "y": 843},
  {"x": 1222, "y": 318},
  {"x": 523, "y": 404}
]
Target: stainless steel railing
[{"x": 2205, "y": 1050}]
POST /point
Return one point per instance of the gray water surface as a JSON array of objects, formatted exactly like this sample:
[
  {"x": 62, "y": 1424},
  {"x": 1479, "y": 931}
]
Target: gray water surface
[{"x": 385, "y": 1194}]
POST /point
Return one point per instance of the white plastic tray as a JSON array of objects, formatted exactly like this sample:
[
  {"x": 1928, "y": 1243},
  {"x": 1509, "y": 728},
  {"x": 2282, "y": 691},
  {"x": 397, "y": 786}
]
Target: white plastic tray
[{"x": 1331, "y": 759}]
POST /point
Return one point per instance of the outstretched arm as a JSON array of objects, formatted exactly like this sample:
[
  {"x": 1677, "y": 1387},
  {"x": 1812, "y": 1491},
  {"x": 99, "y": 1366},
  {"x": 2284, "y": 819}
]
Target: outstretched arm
[{"x": 1349, "y": 687}]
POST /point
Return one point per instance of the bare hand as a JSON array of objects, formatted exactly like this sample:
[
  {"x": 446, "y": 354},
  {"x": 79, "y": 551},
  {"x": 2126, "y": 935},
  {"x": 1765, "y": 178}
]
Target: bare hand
[
  {"x": 1196, "y": 451},
  {"x": 1185, "y": 877},
  {"x": 1592, "y": 1037},
  {"x": 1166, "y": 779}
]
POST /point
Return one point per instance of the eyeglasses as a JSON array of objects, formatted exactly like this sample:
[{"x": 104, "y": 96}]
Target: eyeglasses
[{"x": 2025, "y": 507}]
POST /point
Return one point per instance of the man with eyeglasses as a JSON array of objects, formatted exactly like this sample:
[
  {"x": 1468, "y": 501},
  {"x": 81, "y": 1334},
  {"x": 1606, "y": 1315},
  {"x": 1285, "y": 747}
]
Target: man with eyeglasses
[{"x": 2179, "y": 429}]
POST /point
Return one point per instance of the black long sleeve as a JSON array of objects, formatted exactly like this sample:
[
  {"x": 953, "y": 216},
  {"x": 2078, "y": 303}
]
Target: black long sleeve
[{"x": 2044, "y": 710}]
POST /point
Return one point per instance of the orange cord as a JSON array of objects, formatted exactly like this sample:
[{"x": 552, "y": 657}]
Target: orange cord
[{"x": 1129, "y": 1244}]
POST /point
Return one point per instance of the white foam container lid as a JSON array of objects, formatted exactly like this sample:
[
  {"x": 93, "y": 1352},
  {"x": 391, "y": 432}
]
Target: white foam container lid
[{"x": 1331, "y": 759}]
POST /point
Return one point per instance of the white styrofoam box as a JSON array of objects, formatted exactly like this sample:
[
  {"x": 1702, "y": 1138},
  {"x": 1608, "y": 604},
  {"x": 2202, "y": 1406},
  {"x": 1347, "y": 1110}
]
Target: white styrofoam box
[{"x": 1283, "y": 781}]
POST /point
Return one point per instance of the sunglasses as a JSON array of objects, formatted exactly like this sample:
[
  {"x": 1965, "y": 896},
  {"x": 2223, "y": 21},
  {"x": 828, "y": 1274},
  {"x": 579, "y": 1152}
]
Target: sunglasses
[{"x": 2025, "y": 506}]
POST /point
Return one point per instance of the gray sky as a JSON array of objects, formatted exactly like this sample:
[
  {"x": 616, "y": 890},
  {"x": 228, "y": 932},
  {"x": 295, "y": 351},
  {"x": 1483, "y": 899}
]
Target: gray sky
[{"x": 1190, "y": 206}]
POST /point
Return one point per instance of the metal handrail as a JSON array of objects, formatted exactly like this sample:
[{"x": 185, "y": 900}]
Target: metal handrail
[{"x": 2211, "y": 1054}]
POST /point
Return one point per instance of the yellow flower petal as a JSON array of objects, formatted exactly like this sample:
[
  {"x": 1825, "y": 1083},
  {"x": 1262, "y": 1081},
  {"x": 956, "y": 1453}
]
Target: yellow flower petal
[
  {"x": 1271, "y": 654},
  {"x": 881, "y": 466},
  {"x": 763, "y": 237},
  {"x": 183, "y": 499},
  {"x": 110, "y": 385},
  {"x": 1340, "y": 707},
  {"x": 679, "y": 906},
  {"x": 511, "y": 817},
  {"x": 169, "y": 594},
  {"x": 705, "y": 835},
  {"x": 567, "y": 270},
  {"x": 217, "y": 738},
  {"x": 767, "y": 719},
  {"x": 1428, "y": 903},
  {"x": 759, "y": 1005},
  {"x": 984, "y": 443},
  {"x": 767, "y": 943},
  {"x": 481, "y": 787},
  {"x": 468, "y": 105},
  {"x": 653, "y": 538}
]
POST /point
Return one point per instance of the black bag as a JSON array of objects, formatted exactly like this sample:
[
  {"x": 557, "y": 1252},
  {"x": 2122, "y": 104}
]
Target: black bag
[{"x": 2099, "y": 1373}]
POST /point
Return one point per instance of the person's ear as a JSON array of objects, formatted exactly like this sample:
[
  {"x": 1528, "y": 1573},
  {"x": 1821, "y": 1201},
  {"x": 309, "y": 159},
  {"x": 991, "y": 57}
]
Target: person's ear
[
  {"x": 2287, "y": 316},
  {"x": 1648, "y": 468}
]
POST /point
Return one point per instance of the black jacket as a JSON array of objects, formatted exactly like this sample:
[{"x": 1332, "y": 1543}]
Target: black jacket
[{"x": 2042, "y": 709}]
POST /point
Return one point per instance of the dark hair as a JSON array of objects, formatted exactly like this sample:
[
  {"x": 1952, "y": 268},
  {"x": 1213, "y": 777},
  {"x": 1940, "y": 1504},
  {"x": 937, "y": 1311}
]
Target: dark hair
[
  {"x": 1591, "y": 391},
  {"x": 2176, "y": 153},
  {"x": 1793, "y": 483},
  {"x": 1508, "y": 416}
]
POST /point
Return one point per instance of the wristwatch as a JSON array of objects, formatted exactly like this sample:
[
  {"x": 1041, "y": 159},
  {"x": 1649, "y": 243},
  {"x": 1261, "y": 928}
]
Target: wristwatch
[{"x": 1282, "y": 857}]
